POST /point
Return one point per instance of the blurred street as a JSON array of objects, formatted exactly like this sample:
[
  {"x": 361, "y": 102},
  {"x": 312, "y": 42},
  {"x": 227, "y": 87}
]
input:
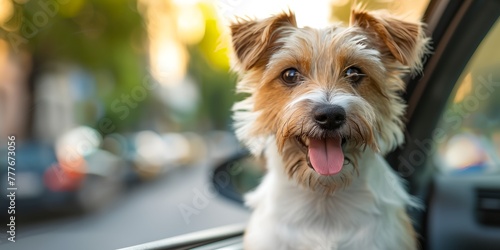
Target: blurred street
[{"x": 146, "y": 213}]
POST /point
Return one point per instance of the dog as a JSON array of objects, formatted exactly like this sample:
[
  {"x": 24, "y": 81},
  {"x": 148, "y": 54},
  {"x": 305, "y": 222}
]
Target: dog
[{"x": 323, "y": 107}]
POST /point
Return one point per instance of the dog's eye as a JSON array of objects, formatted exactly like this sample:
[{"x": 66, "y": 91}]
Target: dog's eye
[
  {"x": 354, "y": 74},
  {"x": 290, "y": 76}
]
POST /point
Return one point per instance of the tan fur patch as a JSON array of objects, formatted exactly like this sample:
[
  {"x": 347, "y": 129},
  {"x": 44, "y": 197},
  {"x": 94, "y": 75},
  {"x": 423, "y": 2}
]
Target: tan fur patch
[
  {"x": 255, "y": 41},
  {"x": 405, "y": 40},
  {"x": 408, "y": 227}
]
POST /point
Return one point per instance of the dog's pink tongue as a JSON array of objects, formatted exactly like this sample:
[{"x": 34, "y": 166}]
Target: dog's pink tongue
[{"x": 326, "y": 155}]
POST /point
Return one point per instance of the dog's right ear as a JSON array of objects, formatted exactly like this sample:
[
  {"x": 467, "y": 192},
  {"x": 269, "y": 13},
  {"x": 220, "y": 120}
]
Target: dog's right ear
[{"x": 255, "y": 41}]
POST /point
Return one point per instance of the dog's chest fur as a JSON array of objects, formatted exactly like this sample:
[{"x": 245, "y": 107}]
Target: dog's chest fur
[{"x": 362, "y": 216}]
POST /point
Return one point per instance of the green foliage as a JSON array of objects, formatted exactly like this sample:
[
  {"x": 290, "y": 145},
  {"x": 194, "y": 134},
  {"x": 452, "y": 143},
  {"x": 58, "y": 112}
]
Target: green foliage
[{"x": 100, "y": 36}]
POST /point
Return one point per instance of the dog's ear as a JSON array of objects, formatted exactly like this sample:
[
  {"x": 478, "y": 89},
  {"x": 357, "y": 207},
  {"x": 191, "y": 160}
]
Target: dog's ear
[
  {"x": 405, "y": 41},
  {"x": 255, "y": 41}
]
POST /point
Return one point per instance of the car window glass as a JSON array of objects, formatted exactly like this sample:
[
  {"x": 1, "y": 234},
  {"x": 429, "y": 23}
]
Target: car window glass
[{"x": 467, "y": 138}]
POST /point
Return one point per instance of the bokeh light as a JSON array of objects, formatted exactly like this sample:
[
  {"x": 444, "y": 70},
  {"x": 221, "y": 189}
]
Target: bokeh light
[{"x": 6, "y": 11}]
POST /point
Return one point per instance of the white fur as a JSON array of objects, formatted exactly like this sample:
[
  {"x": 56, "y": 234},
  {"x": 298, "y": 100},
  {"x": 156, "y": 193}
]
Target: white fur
[
  {"x": 363, "y": 216},
  {"x": 244, "y": 121},
  {"x": 315, "y": 96}
]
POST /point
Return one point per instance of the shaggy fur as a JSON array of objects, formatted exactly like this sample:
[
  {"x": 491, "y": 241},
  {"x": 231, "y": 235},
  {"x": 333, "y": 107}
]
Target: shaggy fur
[{"x": 362, "y": 206}]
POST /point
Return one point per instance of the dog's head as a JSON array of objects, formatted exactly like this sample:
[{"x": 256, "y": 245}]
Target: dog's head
[{"x": 323, "y": 96}]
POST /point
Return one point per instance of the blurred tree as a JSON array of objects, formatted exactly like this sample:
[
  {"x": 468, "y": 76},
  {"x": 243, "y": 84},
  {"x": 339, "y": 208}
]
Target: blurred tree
[
  {"x": 210, "y": 66},
  {"x": 109, "y": 40},
  {"x": 104, "y": 37}
]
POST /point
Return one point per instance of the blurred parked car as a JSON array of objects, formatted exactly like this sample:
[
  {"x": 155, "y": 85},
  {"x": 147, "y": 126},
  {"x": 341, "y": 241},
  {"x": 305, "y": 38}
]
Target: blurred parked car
[{"x": 83, "y": 172}]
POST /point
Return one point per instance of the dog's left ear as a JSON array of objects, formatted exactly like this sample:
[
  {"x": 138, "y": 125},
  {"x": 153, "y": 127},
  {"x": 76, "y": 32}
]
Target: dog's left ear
[{"x": 405, "y": 41}]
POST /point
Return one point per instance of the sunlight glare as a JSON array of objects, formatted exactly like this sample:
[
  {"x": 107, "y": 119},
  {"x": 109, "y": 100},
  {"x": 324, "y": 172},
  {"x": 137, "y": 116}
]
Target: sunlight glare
[
  {"x": 308, "y": 13},
  {"x": 6, "y": 11},
  {"x": 168, "y": 60},
  {"x": 190, "y": 24},
  {"x": 464, "y": 89}
]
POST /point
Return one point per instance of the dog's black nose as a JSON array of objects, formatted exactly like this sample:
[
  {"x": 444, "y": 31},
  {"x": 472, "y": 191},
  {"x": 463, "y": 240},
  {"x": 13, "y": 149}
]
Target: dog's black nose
[{"x": 329, "y": 116}]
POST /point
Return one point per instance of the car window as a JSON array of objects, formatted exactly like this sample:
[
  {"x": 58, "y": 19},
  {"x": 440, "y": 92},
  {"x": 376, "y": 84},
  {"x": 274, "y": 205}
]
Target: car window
[{"x": 467, "y": 139}]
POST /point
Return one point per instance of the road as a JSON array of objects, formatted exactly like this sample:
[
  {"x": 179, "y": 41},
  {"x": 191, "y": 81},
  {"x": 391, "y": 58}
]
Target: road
[{"x": 149, "y": 212}]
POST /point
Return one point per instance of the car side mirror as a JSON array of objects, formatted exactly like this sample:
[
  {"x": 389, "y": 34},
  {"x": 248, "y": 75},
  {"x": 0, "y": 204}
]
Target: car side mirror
[{"x": 237, "y": 175}]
